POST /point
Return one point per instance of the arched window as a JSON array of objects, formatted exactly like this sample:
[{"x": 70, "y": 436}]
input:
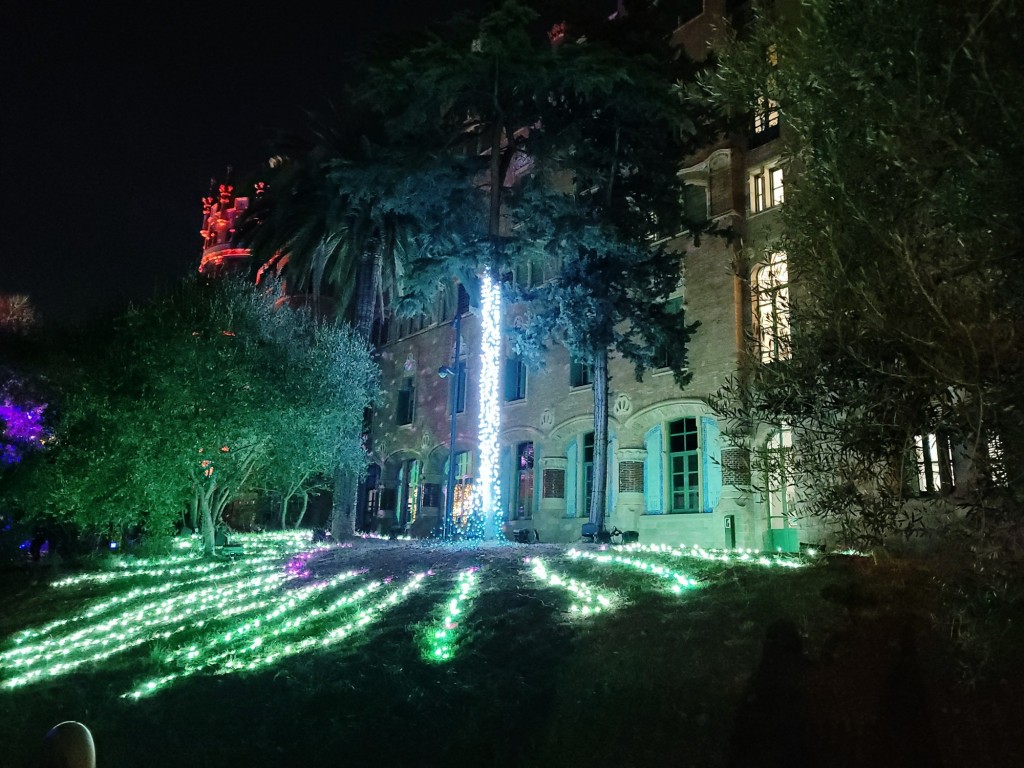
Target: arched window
[
  {"x": 462, "y": 498},
  {"x": 408, "y": 492},
  {"x": 771, "y": 294}
]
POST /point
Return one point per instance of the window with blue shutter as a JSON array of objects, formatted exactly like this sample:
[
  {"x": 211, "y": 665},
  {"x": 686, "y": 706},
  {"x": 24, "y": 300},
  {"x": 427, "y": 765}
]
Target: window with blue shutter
[
  {"x": 538, "y": 487},
  {"x": 508, "y": 496},
  {"x": 684, "y": 466},
  {"x": 652, "y": 471},
  {"x": 571, "y": 476},
  {"x": 460, "y": 388},
  {"x": 612, "y": 476},
  {"x": 515, "y": 378},
  {"x": 712, "y": 485},
  {"x": 588, "y": 471}
]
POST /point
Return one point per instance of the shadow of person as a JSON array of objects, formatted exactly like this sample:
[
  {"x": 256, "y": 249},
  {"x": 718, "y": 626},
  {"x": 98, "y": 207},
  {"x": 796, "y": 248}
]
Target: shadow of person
[
  {"x": 772, "y": 724},
  {"x": 68, "y": 745},
  {"x": 905, "y": 735}
]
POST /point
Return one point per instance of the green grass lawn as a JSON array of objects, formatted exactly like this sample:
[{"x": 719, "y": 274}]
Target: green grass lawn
[{"x": 412, "y": 654}]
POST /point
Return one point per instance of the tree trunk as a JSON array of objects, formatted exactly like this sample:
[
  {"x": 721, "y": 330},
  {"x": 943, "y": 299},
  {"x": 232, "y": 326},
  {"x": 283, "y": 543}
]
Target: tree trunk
[
  {"x": 302, "y": 509},
  {"x": 367, "y": 287},
  {"x": 193, "y": 512},
  {"x": 285, "y": 498},
  {"x": 346, "y": 487},
  {"x": 494, "y": 213},
  {"x": 343, "y": 513},
  {"x": 209, "y": 532},
  {"x": 600, "y": 488}
]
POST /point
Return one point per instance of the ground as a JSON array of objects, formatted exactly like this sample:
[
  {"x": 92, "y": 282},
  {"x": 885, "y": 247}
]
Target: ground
[{"x": 550, "y": 656}]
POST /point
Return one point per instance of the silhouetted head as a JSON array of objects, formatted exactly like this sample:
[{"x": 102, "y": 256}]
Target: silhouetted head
[{"x": 68, "y": 745}]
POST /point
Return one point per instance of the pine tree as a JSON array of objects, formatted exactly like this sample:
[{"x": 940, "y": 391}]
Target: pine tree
[{"x": 605, "y": 192}]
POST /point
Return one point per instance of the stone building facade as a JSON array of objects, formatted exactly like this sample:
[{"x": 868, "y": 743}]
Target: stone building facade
[{"x": 676, "y": 473}]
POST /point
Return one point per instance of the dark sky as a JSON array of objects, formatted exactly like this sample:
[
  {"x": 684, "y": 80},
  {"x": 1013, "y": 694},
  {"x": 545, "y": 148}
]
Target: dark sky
[{"x": 113, "y": 121}]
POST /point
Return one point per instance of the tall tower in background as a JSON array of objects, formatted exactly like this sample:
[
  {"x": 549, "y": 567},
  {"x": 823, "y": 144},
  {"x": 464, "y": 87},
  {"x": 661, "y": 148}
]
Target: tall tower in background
[{"x": 222, "y": 209}]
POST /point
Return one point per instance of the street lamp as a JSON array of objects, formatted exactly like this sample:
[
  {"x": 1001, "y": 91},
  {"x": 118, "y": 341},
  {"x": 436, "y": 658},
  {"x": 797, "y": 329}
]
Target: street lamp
[{"x": 444, "y": 372}]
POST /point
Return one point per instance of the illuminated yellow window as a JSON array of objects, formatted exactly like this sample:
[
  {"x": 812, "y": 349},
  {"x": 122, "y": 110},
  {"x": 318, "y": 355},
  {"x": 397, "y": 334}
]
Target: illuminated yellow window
[
  {"x": 934, "y": 457},
  {"x": 771, "y": 295},
  {"x": 766, "y": 188}
]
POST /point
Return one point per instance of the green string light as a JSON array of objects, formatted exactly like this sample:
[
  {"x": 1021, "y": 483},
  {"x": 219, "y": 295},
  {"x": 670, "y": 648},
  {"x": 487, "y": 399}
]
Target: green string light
[
  {"x": 440, "y": 638},
  {"x": 679, "y": 582},
  {"x": 256, "y": 649},
  {"x": 728, "y": 556},
  {"x": 249, "y": 612},
  {"x": 589, "y": 600}
]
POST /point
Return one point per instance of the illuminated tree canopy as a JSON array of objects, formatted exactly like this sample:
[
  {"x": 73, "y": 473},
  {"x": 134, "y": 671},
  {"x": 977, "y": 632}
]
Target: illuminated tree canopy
[{"x": 195, "y": 398}]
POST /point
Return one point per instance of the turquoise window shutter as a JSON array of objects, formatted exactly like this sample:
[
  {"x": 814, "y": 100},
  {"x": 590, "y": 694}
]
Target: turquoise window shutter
[
  {"x": 652, "y": 471},
  {"x": 506, "y": 483},
  {"x": 712, "y": 469},
  {"x": 538, "y": 479},
  {"x": 613, "y": 480},
  {"x": 571, "y": 473}
]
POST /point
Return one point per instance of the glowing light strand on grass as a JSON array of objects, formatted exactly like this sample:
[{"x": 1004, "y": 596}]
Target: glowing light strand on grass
[
  {"x": 139, "y": 593},
  {"x": 486, "y": 522},
  {"x": 590, "y": 601},
  {"x": 679, "y": 581},
  {"x": 264, "y": 650},
  {"x": 157, "y": 621},
  {"x": 248, "y": 636},
  {"x": 207, "y": 569},
  {"x": 152, "y": 621},
  {"x": 264, "y": 625},
  {"x": 728, "y": 556},
  {"x": 440, "y": 639},
  {"x": 260, "y": 547}
]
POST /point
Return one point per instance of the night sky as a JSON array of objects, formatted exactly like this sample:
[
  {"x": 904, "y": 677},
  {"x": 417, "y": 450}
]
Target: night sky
[{"x": 112, "y": 123}]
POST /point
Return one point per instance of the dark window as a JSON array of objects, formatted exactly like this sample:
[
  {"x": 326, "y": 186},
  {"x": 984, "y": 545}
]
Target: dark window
[
  {"x": 695, "y": 203},
  {"x": 515, "y": 378},
  {"x": 463, "y": 304},
  {"x": 663, "y": 352},
  {"x": 588, "y": 471},
  {"x": 408, "y": 492},
  {"x": 406, "y": 406},
  {"x": 431, "y": 495},
  {"x": 579, "y": 374}
]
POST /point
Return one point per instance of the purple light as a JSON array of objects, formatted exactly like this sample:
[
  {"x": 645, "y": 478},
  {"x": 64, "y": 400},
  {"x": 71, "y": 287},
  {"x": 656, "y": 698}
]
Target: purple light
[
  {"x": 23, "y": 428},
  {"x": 298, "y": 566}
]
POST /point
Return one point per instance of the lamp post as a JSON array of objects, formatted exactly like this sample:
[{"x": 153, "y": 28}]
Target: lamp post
[{"x": 453, "y": 400}]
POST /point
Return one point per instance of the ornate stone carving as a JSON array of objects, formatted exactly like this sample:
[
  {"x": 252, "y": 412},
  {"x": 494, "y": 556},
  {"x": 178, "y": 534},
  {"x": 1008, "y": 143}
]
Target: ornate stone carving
[
  {"x": 547, "y": 419},
  {"x": 623, "y": 406}
]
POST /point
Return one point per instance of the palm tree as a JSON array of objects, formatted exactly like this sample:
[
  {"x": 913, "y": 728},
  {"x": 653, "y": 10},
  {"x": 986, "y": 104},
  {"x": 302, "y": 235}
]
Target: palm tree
[{"x": 335, "y": 218}]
